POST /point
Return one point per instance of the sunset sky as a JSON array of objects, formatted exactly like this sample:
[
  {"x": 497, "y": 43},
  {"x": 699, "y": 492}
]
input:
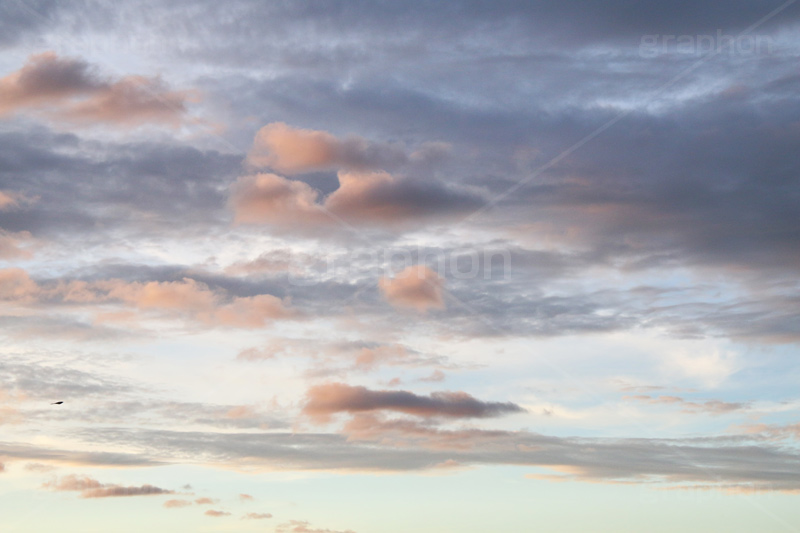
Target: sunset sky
[{"x": 371, "y": 266}]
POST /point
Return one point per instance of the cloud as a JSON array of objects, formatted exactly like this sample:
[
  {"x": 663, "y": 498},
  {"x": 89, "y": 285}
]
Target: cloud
[
  {"x": 246, "y": 497},
  {"x": 435, "y": 377},
  {"x": 301, "y": 526},
  {"x": 293, "y": 150},
  {"x": 69, "y": 89},
  {"x": 9, "y": 200},
  {"x": 216, "y": 514},
  {"x": 187, "y": 298},
  {"x": 176, "y": 504},
  {"x": 714, "y": 407},
  {"x": 205, "y": 501},
  {"x": 91, "y": 488},
  {"x": 272, "y": 199},
  {"x": 417, "y": 287},
  {"x": 257, "y": 516},
  {"x": 322, "y": 401},
  {"x": 367, "y": 193},
  {"x": 383, "y": 198},
  {"x": 376, "y": 445},
  {"x": 362, "y": 197}
]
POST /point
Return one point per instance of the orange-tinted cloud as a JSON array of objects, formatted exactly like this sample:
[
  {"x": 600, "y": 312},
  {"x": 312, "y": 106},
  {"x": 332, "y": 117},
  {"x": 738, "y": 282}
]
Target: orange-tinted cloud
[
  {"x": 257, "y": 516},
  {"x": 272, "y": 199},
  {"x": 323, "y": 401},
  {"x": 91, "y": 488},
  {"x": 294, "y": 150},
  {"x": 367, "y": 191},
  {"x": 214, "y": 513},
  {"x": 187, "y": 298},
  {"x": 246, "y": 498},
  {"x": 417, "y": 287},
  {"x": 176, "y": 504},
  {"x": 69, "y": 89},
  {"x": 374, "y": 197},
  {"x": 205, "y": 501}
]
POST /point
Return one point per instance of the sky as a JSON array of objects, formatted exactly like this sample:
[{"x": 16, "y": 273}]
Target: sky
[{"x": 370, "y": 266}]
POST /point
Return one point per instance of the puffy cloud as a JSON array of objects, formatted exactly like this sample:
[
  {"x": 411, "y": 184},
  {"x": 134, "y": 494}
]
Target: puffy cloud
[
  {"x": 366, "y": 192},
  {"x": 205, "y": 501},
  {"x": 69, "y": 89},
  {"x": 381, "y": 197},
  {"x": 417, "y": 287},
  {"x": 216, "y": 514},
  {"x": 323, "y": 401},
  {"x": 272, "y": 199},
  {"x": 91, "y": 488},
  {"x": 375, "y": 197},
  {"x": 295, "y": 150},
  {"x": 257, "y": 516}
]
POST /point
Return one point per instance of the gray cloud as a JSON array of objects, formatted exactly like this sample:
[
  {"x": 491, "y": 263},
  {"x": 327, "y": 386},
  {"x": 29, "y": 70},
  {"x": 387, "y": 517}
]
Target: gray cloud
[
  {"x": 329, "y": 399},
  {"x": 738, "y": 459}
]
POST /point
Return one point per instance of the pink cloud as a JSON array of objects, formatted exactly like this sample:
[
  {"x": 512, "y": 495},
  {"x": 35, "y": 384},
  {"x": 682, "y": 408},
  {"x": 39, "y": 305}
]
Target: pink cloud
[
  {"x": 186, "y": 298},
  {"x": 257, "y": 516},
  {"x": 91, "y": 488},
  {"x": 205, "y": 501},
  {"x": 362, "y": 197},
  {"x": 70, "y": 89},
  {"x": 272, "y": 199},
  {"x": 294, "y": 150},
  {"x": 323, "y": 401},
  {"x": 366, "y": 193},
  {"x": 214, "y": 513},
  {"x": 416, "y": 287}
]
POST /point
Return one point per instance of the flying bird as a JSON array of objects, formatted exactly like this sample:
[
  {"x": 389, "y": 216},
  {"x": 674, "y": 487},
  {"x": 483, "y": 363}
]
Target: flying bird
[{"x": 56, "y": 403}]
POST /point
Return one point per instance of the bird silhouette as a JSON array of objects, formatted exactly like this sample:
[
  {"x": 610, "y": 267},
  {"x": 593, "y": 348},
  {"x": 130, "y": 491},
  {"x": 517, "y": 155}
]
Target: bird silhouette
[{"x": 56, "y": 403}]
